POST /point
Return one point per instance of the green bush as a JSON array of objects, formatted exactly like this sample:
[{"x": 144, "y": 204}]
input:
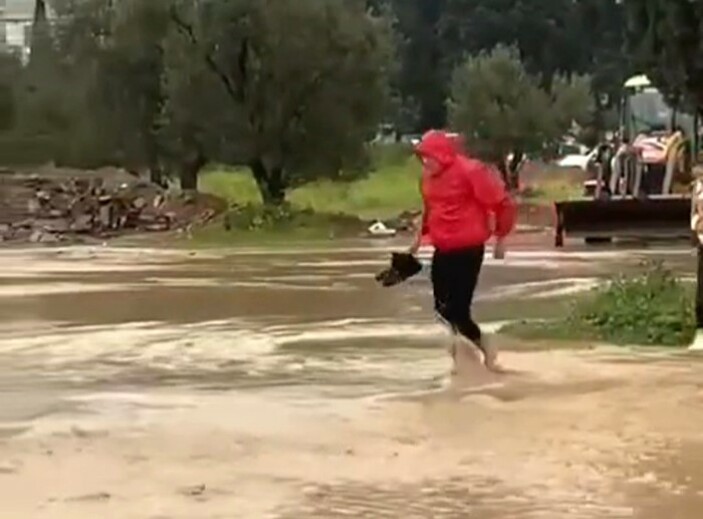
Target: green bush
[{"x": 652, "y": 308}]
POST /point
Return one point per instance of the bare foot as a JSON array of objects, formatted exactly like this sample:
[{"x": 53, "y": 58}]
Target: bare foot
[
  {"x": 490, "y": 360},
  {"x": 494, "y": 367},
  {"x": 453, "y": 351},
  {"x": 490, "y": 357},
  {"x": 469, "y": 351},
  {"x": 467, "y": 361}
]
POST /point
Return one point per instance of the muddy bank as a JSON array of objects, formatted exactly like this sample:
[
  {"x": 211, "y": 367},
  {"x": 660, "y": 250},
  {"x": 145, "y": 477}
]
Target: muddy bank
[
  {"x": 149, "y": 383},
  {"x": 573, "y": 439}
]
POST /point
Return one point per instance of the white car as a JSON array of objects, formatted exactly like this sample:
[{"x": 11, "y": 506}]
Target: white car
[{"x": 579, "y": 161}]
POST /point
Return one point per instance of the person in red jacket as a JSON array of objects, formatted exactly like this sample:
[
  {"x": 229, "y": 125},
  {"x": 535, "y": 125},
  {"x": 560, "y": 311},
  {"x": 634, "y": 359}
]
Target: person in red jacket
[{"x": 465, "y": 204}]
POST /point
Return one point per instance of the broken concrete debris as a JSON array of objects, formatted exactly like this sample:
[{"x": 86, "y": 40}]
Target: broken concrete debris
[{"x": 56, "y": 206}]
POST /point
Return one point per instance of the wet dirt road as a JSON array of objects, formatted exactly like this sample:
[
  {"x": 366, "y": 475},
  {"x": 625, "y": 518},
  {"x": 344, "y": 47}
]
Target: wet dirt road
[{"x": 141, "y": 383}]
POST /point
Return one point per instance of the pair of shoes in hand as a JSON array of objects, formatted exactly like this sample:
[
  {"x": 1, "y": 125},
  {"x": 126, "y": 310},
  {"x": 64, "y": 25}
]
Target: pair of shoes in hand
[{"x": 403, "y": 266}]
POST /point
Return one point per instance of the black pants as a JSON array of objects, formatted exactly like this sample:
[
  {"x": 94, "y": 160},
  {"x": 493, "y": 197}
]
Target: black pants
[
  {"x": 454, "y": 278},
  {"x": 699, "y": 290}
]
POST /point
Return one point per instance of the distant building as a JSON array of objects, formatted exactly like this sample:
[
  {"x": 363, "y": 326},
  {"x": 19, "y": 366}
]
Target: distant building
[
  {"x": 3, "y": 27},
  {"x": 16, "y": 18}
]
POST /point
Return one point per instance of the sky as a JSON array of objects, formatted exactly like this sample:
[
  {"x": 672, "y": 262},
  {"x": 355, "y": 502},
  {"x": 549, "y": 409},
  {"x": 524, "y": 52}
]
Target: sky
[{"x": 20, "y": 7}]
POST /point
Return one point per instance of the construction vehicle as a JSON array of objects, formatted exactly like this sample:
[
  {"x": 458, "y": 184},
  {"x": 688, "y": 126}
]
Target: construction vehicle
[{"x": 640, "y": 185}]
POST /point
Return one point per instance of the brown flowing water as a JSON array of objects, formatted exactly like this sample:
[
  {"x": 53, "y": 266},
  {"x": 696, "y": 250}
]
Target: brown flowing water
[{"x": 139, "y": 383}]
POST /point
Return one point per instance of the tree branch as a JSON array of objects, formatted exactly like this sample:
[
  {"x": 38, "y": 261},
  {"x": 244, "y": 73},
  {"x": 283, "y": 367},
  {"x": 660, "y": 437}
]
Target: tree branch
[{"x": 236, "y": 92}]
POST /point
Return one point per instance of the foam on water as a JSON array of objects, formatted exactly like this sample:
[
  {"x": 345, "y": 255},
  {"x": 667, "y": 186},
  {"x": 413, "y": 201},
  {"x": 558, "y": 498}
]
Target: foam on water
[
  {"x": 203, "y": 345},
  {"x": 557, "y": 259},
  {"x": 74, "y": 353},
  {"x": 47, "y": 289},
  {"x": 541, "y": 289}
]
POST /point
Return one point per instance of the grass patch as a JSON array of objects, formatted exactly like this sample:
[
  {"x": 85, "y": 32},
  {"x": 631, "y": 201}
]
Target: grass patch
[
  {"x": 235, "y": 185},
  {"x": 547, "y": 183},
  {"x": 649, "y": 309},
  {"x": 553, "y": 190},
  {"x": 318, "y": 211},
  {"x": 393, "y": 187},
  {"x": 257, "y": 225},
  {"x": 215, "y": 236}
]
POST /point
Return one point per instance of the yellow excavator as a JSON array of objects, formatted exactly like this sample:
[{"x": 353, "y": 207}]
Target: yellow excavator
[{"x": 640, "y": 180}]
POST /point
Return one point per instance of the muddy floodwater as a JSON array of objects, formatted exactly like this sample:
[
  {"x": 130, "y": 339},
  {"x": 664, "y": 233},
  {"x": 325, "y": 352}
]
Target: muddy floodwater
[{"x": 155, "y": 384}]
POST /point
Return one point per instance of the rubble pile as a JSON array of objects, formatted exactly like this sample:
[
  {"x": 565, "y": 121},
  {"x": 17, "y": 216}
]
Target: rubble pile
[{"x": 50, "y": 208}]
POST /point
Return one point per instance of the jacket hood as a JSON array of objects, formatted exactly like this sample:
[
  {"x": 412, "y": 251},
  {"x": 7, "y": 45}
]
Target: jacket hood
[{"x": 439, "y": 146}]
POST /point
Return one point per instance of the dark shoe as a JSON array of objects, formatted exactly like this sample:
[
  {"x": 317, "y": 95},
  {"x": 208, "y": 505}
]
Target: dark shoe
[{"x": 403, "y": 267}]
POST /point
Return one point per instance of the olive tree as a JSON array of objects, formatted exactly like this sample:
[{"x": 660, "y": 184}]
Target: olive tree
[
  {"x": 110, "y": 65},
  {"x": 500, "y": 108},
  {"x": 293, "y": 89},
  {"x": 664, "y": 39}
]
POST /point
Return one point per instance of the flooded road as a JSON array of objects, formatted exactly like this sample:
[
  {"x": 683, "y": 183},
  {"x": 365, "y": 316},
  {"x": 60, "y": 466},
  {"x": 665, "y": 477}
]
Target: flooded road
[{"x": 139, "y": 383}]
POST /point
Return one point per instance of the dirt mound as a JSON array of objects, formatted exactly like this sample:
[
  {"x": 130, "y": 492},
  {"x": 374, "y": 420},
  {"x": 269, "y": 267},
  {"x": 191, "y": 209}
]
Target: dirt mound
[{"x": 47, "y": 205}]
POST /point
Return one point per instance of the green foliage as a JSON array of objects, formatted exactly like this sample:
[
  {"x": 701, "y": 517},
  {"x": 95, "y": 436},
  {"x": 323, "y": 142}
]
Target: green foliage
[
  {"x": 553, "y": 37},
  {"x": 41, "y": 95},
  {"x": 499, "y": 107},
  {"x": 598, "y": 28},
  {"x": 664, "y": 38},
  {"x": 536, "y": 29},
  {"x": 9, "y": 73},
  {"x": 19, "y": 150},
  {"x": 292, "y": 89},
  {"x": 571, "y": 102},
  {"x": 653, "y": 308},
  {"x": 424, "y": 69},
  {"x": 92, "y": 85},
  {"x": 254, "y": 224},
  {"x": 389, "y": 190}
]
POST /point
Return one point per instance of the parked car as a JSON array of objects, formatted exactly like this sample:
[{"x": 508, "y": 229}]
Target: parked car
[{"x": 577, "y": 160}]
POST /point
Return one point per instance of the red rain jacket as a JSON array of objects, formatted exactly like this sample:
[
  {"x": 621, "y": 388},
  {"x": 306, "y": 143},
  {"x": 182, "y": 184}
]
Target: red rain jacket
[{"x": 465, "y": 200}]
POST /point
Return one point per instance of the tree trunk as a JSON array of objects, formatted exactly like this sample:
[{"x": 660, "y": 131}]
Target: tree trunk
[
  {"x": 270, "y": 183},
  {"x": 514, "y": 170},
  {"x": 156, "y": 175},
  {"x": 189, "y": 171},
  {"x": 503, "y": 169},
  {"x": 498, "y": 156},
  {"x": 156, "y": 172}
]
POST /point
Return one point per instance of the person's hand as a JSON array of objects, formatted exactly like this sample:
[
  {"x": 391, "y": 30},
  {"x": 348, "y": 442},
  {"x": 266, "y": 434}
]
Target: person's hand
[
  {"x": 415, "y": 245},
  {"x": 499, "y": 249}
]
